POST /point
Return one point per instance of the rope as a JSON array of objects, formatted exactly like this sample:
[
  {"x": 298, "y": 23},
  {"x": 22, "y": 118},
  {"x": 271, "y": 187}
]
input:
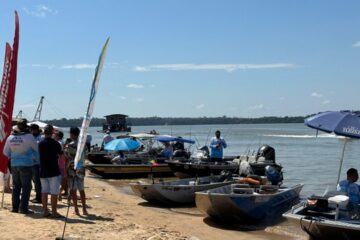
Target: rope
[
  {"x": 308, "y": 230},
  {"x": 55, "y": 109}
]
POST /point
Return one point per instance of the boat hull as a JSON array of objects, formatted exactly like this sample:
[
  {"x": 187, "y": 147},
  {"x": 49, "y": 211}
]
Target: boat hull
[
  {"x": 98, "y": 157},
  {"x": 176, "y": 192},
  {"x": 104, "y": 157},
  {"x": 223, "y": 205},
  {"x": 321, "y": 227},
  {"x": 129, "y": 170}
]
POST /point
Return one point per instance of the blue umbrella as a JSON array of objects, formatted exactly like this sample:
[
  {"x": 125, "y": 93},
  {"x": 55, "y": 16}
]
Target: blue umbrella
[
  {"x": 122, "y": 144},
  {"x": 343, "y": 123},
  {"x": 166, "y": 138}
]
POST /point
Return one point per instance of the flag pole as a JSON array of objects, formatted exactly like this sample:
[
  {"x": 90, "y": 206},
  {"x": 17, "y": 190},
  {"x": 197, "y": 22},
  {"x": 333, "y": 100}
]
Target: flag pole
[{"x": 78, "y": 160}]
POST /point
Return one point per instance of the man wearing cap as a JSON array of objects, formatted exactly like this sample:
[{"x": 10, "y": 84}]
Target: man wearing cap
[
  {"x": 50, "y": 150},
  {"x": 21, "y": 148},
  {"x": 35, "y": 131}
]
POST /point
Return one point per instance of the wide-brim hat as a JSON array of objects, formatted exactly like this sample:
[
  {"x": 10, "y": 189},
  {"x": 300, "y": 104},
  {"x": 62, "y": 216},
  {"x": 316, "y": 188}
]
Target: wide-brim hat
[{"x": 21, "y": 125}]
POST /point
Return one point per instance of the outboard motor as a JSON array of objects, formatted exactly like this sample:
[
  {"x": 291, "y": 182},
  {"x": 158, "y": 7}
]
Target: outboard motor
[
  {"x": 180, "y": 153},
  {"x": 267, "y": 152},
  {"x": 273, "y": 175}
]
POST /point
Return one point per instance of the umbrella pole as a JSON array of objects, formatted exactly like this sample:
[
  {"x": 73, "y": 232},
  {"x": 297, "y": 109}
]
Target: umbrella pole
[{"x": 341, "y": 161}]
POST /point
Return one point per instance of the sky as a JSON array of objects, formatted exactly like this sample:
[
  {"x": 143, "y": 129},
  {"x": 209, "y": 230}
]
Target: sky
[{"x": 172, "y": 58}]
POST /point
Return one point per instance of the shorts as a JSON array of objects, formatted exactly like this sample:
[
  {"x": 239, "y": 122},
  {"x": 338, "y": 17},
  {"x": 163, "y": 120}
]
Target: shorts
[
  {"x": 51, "y": 185},
  {"x": 76, "y": 183}
]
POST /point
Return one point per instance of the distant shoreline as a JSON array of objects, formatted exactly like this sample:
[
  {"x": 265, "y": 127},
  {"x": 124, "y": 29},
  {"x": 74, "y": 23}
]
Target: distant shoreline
[{"x": 161, "y": 121}]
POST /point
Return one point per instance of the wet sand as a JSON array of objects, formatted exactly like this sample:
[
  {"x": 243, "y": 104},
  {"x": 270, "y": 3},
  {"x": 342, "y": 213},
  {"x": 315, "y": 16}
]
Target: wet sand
[{"x": 116, "y": 213}]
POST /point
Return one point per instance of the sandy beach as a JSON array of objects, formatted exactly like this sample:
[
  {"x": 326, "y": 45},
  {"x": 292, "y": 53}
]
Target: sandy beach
[{"x": 115, "y": 213}]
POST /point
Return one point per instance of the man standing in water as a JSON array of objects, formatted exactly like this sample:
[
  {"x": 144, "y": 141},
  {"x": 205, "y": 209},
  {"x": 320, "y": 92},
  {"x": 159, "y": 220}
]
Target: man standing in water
[
  {"x": 217, "y": 144},
  {"x": 75, "y": 177}
]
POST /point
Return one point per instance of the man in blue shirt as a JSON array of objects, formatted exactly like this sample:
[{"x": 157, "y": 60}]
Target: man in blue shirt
[
  {"x": 349, "y": 186},
  {"x": 217, "y": 144},
  {"x": 21, "y": 148}
]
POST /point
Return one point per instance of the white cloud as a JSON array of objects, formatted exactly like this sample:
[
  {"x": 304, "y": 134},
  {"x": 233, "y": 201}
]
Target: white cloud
[
  {"x": 43, "y": 66},
  {"x": 122, "y": 98},
  {"x": 133, "y": 85},
  {"x": 65, "y": 66},
  {"x": 200, "y": 106},
  {"x": 112, "y": 65},
  {"x": 257, "y": 107},
  {"x": 152, "y": 85},
  {"x": 79, "y": 66},
  {"x": 139, "y": 99},
  {"x": 357, "y": 44},
  {"x": 326, "y": 102},
  {"x": 140, "y": 69},
  {"x": 40, "y": 11},
  {"x": 282, "y": 98},
  {"x": 225, "y": 67},
  {"x": 316, "y": 95}
]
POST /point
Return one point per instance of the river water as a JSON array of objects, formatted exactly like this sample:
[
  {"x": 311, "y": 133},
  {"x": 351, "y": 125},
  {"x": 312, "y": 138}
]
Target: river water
[{"x": 307, "y": 157}]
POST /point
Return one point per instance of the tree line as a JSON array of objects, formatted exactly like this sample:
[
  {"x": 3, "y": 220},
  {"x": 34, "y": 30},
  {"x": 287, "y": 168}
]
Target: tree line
[{"x": 153, "y": 121}]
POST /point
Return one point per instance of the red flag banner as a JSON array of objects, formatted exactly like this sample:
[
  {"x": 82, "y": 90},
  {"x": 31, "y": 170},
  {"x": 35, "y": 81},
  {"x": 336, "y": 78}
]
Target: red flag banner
[{"x": 7, "y": 93}]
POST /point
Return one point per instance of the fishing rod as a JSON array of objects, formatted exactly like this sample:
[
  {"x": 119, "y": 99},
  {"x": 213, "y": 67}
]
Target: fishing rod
[
  {"x": 197, "y": 142},
  {"x": 228, "y": 130},
  {"x": 207, "y": 138}
]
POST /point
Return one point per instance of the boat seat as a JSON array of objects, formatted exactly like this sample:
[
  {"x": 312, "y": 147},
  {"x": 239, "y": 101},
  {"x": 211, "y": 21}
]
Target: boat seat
[
  {"x": 268, "y": 189},
  {"x": 340, "y": 201},
  {"x": 242, "y": 190}
]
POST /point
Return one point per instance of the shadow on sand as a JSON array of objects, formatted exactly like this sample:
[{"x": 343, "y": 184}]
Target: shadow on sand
[
  {"x": 184, "y": 209},
  {"x": 86, "y": 219},
  {"x": 235, "y": 226},
  {"x": 166, "y": 205}
]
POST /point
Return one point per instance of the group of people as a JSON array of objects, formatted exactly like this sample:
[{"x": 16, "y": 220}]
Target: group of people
[
  {"x": 46, "y": 160},
  {"x": 217, "y": 144}
]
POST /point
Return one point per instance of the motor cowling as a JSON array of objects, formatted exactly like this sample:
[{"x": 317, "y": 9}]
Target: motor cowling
[{"x": 267, "y": 152}]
